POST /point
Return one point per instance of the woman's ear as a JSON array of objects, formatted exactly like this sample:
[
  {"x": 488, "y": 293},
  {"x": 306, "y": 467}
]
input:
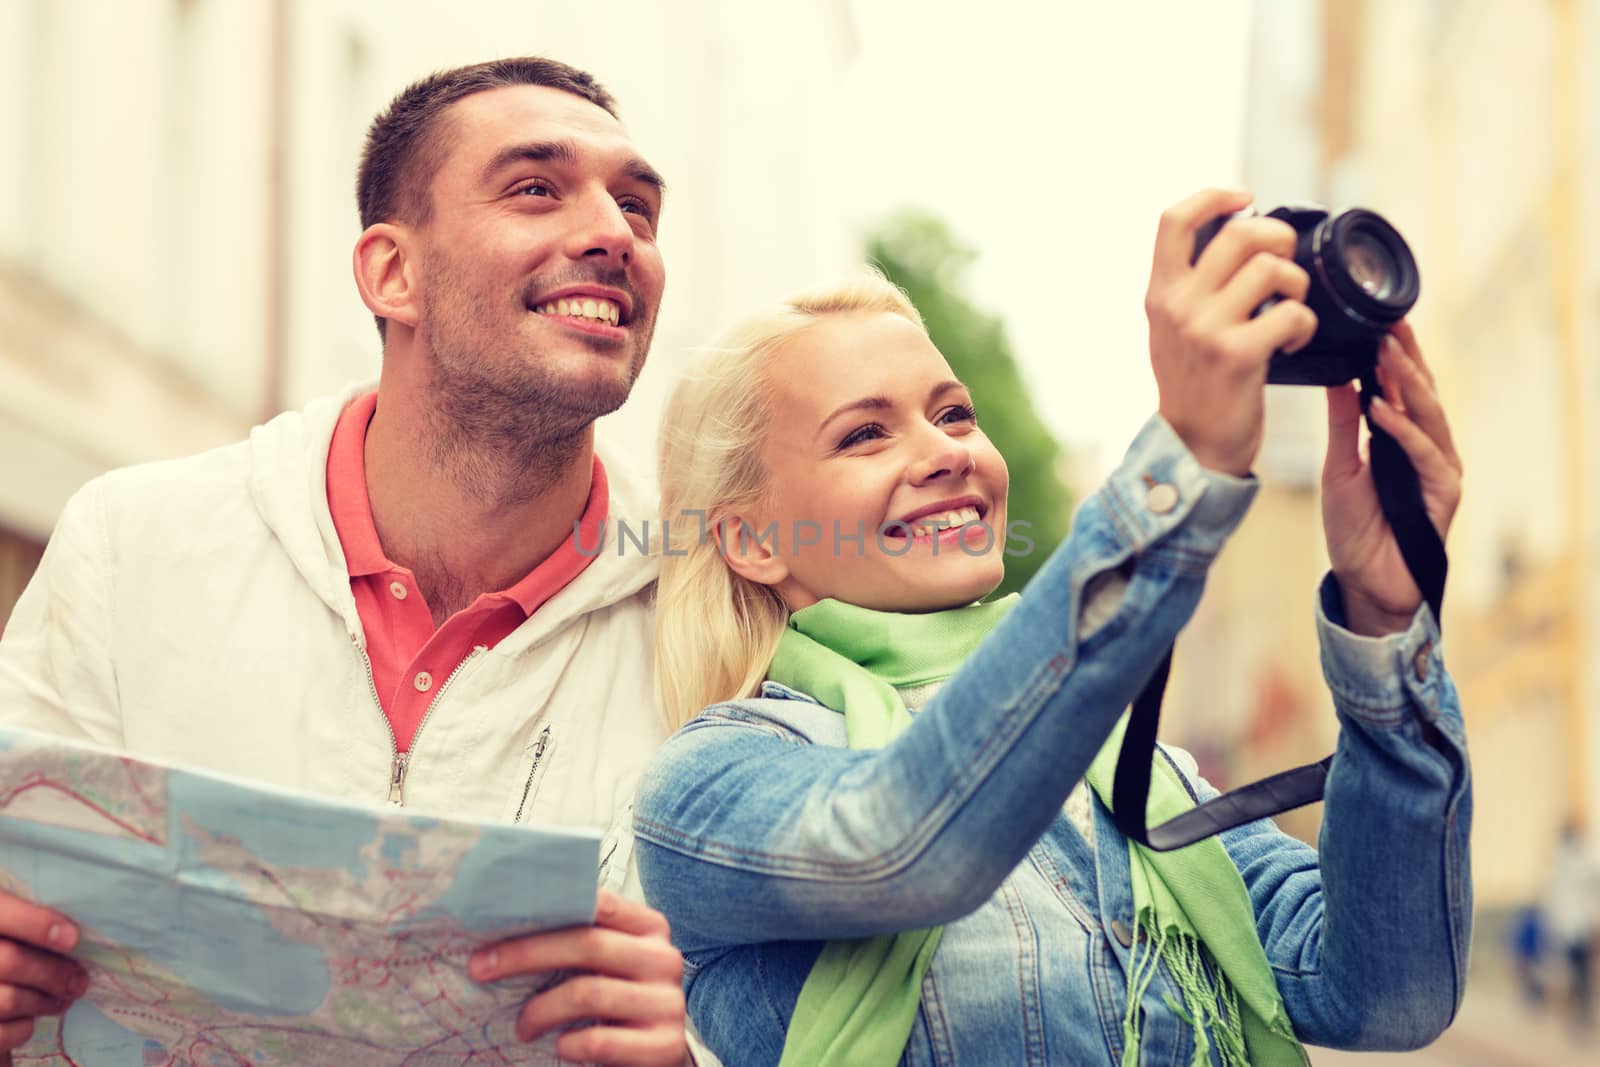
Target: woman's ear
[
  {"x": 385, "y": 273},
  {"x": 750, "y": 553}
]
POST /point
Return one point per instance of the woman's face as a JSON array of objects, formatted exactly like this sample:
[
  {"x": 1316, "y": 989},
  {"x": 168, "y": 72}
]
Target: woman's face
[{"x": 873, "y": 450}]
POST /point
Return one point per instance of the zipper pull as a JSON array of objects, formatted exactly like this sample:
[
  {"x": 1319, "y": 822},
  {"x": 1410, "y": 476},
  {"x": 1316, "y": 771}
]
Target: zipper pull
[
  {"x": 533, "y": 771},
  {"x": 397, "y": 781}
]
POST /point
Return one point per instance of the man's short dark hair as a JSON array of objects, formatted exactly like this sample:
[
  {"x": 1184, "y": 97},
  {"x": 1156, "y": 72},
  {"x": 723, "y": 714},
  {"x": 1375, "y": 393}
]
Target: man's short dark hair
[{"x": 405, "y": 142}]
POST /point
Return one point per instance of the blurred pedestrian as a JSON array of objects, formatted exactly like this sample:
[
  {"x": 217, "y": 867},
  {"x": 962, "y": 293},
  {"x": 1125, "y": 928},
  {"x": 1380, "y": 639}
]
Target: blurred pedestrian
[
  {"x": 1529, "y": 939},
  {"x": 1572, "y": 907}
]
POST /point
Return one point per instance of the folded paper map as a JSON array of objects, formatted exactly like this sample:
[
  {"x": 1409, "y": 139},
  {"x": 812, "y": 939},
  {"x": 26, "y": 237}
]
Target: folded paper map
[{"x": 225, "y": 922}]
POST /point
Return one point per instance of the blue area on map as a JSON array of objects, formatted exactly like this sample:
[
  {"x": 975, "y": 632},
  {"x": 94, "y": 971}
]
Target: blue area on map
[
  {"x": 500, "y": 879},
  {"x": 226, "y": 945},
  {"x": 90, "y": 1037},
  {"x": 246, "y": 965},
  {"x": 398, "y": 850},
  {"x": 290, "y": 832}
]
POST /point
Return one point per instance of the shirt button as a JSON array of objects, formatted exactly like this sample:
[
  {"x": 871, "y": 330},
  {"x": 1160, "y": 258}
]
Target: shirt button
[
  {"x": 1161, "y": 498},
  {"x": 398, "y": 589},
  {"x": 423, "y": 681},
  {"x": 1120, "y": 931}
]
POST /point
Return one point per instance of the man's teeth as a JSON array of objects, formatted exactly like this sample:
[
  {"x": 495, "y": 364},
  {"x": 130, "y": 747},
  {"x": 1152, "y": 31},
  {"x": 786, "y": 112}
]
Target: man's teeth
[
  {"x": 583, "y": 308},
  {"x": 932, "y": 524}
]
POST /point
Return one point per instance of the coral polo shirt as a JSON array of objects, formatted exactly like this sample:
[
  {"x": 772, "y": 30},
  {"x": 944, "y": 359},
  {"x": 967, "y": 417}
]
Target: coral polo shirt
[{"x": 411, "y": 660}]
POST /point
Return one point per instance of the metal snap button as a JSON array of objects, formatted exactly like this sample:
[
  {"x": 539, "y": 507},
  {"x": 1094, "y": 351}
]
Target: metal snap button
[
  {"x": 1419, "y": 662},
  {"x": 1161, "y": 498}
]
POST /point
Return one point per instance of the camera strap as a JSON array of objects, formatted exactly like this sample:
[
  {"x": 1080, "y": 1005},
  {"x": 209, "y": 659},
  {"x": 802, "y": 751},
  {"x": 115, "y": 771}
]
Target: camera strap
[{"x": 1400, "y": 498}]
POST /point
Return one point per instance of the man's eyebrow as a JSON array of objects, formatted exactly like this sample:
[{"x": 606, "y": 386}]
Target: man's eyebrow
[
  {"x": 532, "y": 151},
  {"x": 640, "y": 171},
  {"x": 883, "y": 403},
  {"x": 565, "y": 152}
]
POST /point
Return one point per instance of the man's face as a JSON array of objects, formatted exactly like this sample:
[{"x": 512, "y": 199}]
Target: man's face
[{"x": 539, "y": 271}]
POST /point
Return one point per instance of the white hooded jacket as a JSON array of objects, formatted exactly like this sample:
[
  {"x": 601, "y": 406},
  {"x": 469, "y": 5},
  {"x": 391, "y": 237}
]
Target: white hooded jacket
[{"x": 199, "y": 611}]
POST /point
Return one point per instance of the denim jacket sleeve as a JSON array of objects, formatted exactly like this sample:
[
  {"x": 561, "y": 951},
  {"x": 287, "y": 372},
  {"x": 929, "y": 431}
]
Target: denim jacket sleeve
[
  {"x": 748, "y": 834},
  {"x": 1369, "y": 946}
]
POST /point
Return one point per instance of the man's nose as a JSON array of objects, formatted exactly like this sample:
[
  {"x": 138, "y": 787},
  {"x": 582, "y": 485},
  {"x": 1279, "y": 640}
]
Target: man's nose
[{"x": 600, "y": 229}]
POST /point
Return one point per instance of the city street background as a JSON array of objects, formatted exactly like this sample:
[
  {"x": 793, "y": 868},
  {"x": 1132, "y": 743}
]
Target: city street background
[{"x": 176, "y": 218}]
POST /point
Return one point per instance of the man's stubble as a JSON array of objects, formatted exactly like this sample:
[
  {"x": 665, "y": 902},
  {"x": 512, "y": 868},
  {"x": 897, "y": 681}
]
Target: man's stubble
[{"x": 505, "y": 424}]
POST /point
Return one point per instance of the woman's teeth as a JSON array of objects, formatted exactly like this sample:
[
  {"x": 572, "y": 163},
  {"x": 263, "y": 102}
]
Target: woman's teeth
[
  {"x": 583, "y": 308},
  {"x": 933, "y": 524}
]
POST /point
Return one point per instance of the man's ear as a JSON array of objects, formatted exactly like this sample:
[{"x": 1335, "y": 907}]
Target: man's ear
[
  {"x": 386, "y": 273},
  {"x": 751, "y": 553}
]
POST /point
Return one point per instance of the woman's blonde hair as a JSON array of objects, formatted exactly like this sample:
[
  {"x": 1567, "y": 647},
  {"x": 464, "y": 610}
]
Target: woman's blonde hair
[{"x": 716, "y": 631}]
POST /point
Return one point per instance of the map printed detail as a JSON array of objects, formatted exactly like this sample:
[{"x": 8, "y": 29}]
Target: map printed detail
[{"x": 229, "y": 923}]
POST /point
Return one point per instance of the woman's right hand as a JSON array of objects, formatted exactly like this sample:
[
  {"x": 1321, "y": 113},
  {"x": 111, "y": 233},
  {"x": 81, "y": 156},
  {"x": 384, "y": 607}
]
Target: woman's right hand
[
  {"x": 1208, "y": 348},
  {"x": 35, "y": 978}
]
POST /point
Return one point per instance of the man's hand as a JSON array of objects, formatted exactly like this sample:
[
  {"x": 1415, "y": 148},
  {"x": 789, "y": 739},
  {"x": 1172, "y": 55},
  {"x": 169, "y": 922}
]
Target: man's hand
[
  {"x": 631, "y": 986},
  {"x": 1209, "y": 354},
  {"x": 35, "y": 979},
  {"x": 1380, "y": 595}
]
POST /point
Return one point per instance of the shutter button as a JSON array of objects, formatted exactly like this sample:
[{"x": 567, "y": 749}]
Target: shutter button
[{"x": 1161, "y": 498}]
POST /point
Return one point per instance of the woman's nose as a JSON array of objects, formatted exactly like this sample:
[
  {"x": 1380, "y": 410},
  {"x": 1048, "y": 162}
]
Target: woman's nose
[{"x": 942, "y": 457}]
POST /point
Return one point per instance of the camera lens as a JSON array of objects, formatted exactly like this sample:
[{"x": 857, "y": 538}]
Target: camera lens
[
  {"x": 1369, "y": 272},
  {"x": 1370, "y": 265}
]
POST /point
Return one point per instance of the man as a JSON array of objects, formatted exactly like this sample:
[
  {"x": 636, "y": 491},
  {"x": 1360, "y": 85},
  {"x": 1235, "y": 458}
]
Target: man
[{"x": 379, "y": 597}]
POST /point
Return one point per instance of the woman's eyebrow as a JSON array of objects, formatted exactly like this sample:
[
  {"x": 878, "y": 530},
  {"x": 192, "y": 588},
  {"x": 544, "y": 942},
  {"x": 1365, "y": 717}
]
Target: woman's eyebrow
[
  {"x": 866, "y": 403},
  {"x": 883, "y": 403}
]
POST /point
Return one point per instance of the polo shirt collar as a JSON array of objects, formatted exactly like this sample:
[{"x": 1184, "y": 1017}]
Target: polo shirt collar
[{"x": 351, "y": 508}]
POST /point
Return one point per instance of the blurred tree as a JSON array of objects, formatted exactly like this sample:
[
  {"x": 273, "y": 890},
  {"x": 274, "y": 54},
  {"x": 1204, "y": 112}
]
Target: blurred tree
[{"x": 917, "y": 252}]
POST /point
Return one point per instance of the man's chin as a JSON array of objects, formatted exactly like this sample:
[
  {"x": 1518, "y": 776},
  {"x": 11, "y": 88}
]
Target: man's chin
[{"x": 591, "y": 395}]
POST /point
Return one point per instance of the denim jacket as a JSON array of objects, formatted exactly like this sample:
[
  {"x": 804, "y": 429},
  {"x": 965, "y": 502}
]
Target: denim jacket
[{"x": 761, "y": 836}]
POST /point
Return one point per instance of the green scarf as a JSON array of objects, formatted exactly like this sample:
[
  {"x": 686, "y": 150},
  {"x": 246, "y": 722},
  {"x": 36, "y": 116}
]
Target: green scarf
[{"x": 1191, "y": 907}]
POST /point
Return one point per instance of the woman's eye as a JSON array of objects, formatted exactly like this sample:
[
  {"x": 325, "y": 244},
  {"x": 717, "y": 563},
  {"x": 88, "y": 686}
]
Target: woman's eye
[
  {"x": 863, "y": 433},
  {"x": 959, "y": 413}
]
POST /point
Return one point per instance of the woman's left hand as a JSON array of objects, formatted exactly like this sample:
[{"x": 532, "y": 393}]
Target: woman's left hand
[{"x": 1380, "y": 595}]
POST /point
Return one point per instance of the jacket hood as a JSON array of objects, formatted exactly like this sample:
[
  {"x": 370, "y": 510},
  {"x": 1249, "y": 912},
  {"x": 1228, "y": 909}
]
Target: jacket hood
[{"x": 289, "y": 487}]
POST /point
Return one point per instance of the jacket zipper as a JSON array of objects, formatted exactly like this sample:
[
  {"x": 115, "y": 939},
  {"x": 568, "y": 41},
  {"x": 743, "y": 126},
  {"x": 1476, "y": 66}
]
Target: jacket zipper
[
  {"x": 538, "y": 755},
  {"x": 401, "y": 761},
  {"x": 397, "y": 769}
]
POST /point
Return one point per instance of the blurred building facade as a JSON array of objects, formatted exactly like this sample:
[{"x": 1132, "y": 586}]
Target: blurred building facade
[
  {"x": 177, "y": 212},
  {"x": 1475, "y": 127}
]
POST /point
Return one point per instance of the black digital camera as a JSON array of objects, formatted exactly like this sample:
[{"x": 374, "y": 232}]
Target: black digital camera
[{"x": 1363, "y": 280}]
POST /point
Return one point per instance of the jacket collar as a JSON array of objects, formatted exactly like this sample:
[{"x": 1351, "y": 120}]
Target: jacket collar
[{"x": 288, "y": 485}]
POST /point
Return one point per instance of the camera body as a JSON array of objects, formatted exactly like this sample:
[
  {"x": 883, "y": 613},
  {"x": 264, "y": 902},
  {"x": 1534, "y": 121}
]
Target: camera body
[{"x": 1364, "y": 279}]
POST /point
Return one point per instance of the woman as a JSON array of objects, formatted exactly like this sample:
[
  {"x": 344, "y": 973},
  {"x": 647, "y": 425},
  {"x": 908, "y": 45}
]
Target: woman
[{"x": 883, "y": 834}]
